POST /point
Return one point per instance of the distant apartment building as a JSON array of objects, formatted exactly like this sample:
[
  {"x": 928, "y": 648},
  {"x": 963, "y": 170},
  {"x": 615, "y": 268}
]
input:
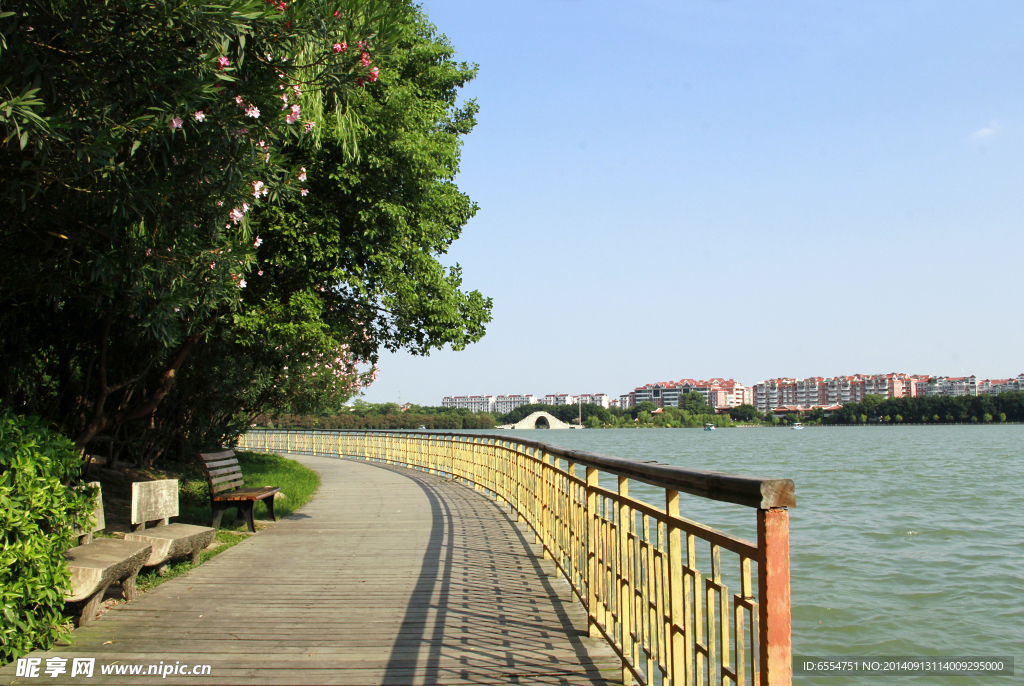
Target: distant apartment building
[
  {"x": 968, "y": 385},
  {"x": 473, "y": 403},
  {"x": 559, "y": 399},
  {"x": 503, "y": 404},
  {"x": 718, "y": 393},
  {"x": 840, "y": 390}
]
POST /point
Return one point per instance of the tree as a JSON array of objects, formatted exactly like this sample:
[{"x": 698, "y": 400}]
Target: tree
[
  {"x": 167, "y": 286},
  {"x": 744, "y": 413}
]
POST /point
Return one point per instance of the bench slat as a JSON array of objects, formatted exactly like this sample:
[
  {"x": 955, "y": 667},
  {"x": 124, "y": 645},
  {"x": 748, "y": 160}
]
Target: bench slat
[
  {"x": 206, "y": 457},
  {"x": 257, "y": 493},
  {"x": 227, "y": 470},
  {"x": 221, "y": 479},
  {"x": 218, "y": 488},
  {"x": 216, "y": 465}
]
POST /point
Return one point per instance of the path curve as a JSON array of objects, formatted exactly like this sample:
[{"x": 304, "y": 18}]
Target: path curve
[{"x": 388, "y": 576}]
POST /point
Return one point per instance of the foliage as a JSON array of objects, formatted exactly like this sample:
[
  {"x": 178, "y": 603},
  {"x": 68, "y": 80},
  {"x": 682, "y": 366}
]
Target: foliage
[
  {"x": 37, "y": 513},
  {"x": 244, "y": 210},
  {"x": 744, "y": 413},
  {"x": 452, "y": 420},
  {"x": 1007, "y": 406}
]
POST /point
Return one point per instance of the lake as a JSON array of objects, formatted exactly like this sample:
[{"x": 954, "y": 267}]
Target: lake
[{"x": 906, "y": 540}]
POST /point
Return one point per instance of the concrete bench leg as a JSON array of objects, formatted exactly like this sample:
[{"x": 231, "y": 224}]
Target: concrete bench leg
[{"x": 91, "y": 606}]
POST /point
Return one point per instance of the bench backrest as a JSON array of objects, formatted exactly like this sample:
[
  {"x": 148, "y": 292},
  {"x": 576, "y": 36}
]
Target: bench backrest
[
  {"x": 97, "y": 515},
  {"x": 222, "y": 471},
  {"x": 154, "y": 500}
]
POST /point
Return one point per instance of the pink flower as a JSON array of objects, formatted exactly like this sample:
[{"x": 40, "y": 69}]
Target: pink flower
[
  {"x": 303, "y": 192},
  {"x": 362, "y": 44},
  {"x": 176, "y": 123},
  {"x": 302, "y": 176},
  {"x": 365, "y": 59},
  {"x": 281, "y": 6},
  {"x": 260, "y": 273},
  {"x": 241, "y": 284},
  {"x": 245, "y": 207},
  {"x": 257, "y": 186},
  {"x": 309, "y": 126},
  {"x": 258, "y": 243},
  {"x": 253, "y": 112},
  {"x": 239, "y": 100},
  {"x": 374, "y": 73},
  {"x": 340, "y": 47},
  {"x": 298, "y": 91},
  {"x": 359, "y": 82},
  {"x": 294, "y": 116},
  {"x": 337, "y": 13},
  {"x": 199, "y": 116},
  {"x": 223, "y": 62}
]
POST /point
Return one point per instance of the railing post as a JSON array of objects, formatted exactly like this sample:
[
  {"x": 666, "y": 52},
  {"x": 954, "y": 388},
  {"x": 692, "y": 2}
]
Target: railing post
[
  {"x": 591, "y": 516},
  {"x": 545, "y": 506},
  {"x": 677, "y": 642},
  {"x": 625, "y": 592},
  {"x": 776, "y": 641}
]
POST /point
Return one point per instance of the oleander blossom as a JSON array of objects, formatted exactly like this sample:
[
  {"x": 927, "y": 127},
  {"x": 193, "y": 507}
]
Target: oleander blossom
[
  {"x": 365, "y": 59},
  {"x": 258, "y": 242},
  {"x": 309, "y": 126},
  {"x": 293, "y": 116},
  {"x": 257, "y": 186},
  {"x": 239, "y": 100},
  {"x": 235, "y": 216},
  {"x": 374, "y": 73},
  {"x": 253, "y": 112},
  {"x": 340, "y": 47},
  {"x": 199, "y": 116},
  {"x": 303, "y": 192},
  {"x": 176, "y": 123},
  {"x": 223, "y": 62},
  {"x": 241, "y": 283},
  {"x": 302, "y": 174}
]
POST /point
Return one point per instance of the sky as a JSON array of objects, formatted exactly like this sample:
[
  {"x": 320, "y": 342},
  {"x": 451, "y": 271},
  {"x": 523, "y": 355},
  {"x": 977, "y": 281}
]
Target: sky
[{"x": 737, "y": 189}]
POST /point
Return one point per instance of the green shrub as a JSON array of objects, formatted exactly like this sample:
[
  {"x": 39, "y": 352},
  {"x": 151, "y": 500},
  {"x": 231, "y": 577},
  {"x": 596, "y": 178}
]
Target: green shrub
[{"x": 36, "y": 516}]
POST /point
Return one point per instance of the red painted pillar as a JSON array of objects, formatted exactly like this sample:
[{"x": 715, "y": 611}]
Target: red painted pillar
[{"x": 776, "y": 649}]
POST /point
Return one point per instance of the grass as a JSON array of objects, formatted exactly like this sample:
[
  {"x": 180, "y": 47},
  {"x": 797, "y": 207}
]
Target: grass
[{"x": 297, "y": 483}]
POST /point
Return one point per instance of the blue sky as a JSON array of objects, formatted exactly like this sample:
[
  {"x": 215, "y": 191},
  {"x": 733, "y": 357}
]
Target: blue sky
[{"x": 729, "y": 188}]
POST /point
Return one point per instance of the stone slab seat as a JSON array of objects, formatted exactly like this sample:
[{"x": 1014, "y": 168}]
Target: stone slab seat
[
  {"x": 158, "y": 501},
  {"x": 96, "y": 564},
  {"x": 227, "y": 488}
]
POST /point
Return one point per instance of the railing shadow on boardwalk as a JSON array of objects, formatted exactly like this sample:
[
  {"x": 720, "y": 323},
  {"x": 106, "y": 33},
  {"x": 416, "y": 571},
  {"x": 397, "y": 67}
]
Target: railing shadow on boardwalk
[{"x": 437, "y": 573}]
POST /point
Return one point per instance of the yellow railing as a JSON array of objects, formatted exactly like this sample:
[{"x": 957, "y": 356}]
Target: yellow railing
[{"x": 632, "y": 564}]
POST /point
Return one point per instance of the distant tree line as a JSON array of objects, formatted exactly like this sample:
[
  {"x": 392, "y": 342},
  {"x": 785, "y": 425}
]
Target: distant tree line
[
  {"x": 1005, "y": 407},
  {"x": 383, "y": 416}
]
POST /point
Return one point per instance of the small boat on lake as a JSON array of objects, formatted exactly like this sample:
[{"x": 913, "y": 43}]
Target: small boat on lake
[
  {"x": 797, "y": 425},
  {"x": 709, "y": 427}
]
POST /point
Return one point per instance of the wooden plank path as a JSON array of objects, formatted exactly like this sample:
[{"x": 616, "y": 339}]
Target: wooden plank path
[{"x": 388, "y": 576}]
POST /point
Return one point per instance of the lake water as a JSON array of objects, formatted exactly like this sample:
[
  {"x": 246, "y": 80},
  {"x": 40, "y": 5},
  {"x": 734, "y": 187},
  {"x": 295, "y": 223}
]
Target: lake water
[{"x": 906, "y": 541}]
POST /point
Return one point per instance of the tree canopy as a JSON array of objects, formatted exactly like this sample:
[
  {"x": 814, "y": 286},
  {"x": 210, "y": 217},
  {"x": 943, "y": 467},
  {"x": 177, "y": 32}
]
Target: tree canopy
[{"x": 235, "y": 217}]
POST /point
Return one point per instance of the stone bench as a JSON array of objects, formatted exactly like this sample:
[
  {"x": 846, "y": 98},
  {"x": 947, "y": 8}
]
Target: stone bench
[
  {"x": 96, "y": 564},
  {"x": 157, "y": 501}
]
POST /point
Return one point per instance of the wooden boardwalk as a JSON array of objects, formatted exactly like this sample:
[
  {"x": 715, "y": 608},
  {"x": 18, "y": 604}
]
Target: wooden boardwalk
[{"x": 388, "y": 576}]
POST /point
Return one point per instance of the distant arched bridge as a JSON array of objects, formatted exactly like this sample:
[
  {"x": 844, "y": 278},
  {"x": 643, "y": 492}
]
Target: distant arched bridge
[{"x": 538, "y": 420}]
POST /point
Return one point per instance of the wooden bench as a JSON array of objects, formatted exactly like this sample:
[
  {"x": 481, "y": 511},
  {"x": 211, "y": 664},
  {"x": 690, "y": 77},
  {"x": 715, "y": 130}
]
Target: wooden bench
[
  {"x": 96, "y": 564},
  {"x": 158, "y": 501},
  {"x": 224, "y": 475}
]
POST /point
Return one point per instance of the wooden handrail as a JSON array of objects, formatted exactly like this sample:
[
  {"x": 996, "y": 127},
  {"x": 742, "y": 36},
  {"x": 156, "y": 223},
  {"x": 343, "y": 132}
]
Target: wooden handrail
[{"x": 632, "y": 564}]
